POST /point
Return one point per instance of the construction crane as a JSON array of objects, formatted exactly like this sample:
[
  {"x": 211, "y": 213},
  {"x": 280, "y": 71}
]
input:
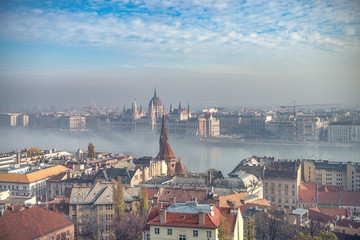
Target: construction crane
[
  {"x": 294, "y": 106},
  {"x": 307, "y": 105}
]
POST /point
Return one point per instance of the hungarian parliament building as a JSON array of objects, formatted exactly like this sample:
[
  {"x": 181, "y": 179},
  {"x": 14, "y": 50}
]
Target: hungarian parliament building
[{"x": 179, "y": 121}]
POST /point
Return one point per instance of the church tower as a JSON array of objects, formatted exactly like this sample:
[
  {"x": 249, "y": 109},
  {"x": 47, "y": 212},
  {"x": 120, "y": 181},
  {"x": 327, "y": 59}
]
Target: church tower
[{"x": 165, "y": 152}]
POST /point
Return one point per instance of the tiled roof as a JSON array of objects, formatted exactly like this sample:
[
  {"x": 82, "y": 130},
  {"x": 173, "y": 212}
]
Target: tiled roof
[
  {"x": 151, "y": 192},
  {"x": 188, "y": 220},
  {"x": 165, "y": 153},
  {"x": 31, "y": 224},
  {"x": 348, "y": 223},
  {"x": 224, "y": 200},
  {"x": 329, "y": 198},
  {"x": 331, "y": 211},
  {"x": 182, "y": 194},
  {"x": 57, "y": 178},
  {"x": 306, "y": 195},
  {"x": 33, "y": 176},
  {"x": 284, "y": 169},
  {"x": 350, "y": 198},
  {"x": 321, "y": 217}
]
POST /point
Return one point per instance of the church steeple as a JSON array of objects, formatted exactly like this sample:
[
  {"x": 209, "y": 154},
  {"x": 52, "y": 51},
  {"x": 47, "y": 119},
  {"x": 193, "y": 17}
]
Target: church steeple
[
  {"x": 154, "y": 91},
  {"x": 165, "y": 152}
]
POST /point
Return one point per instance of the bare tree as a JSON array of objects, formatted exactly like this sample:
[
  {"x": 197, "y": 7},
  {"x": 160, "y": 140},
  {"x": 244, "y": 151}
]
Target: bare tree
[
  {"x": 129, "y": 227},
  {"x": 90, "y": 227},
  {"x": 273, "y": 225}
]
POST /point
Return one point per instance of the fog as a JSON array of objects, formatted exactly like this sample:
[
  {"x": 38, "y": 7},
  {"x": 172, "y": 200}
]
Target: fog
[{"x": 196, "y": 155}]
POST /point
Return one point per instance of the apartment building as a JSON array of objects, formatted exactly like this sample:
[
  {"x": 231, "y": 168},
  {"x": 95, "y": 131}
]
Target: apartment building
[
  {"x": 96, "y": 202},
  {"x": 281, "y": 183},
  {"x": 332, "y": 173},
  {"x": 344, "y": 132}
]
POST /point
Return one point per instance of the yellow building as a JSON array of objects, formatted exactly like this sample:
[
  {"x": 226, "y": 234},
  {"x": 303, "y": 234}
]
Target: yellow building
[{"x": 332, "y": 173}]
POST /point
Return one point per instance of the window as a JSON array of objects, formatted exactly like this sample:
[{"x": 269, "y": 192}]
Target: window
[
  {"x": 195, "y": 233},
  {"x": 279, "y": 185},
  {"x": 286, "y": 186},
  {"x": 286, "y": 200},
  {"x": 169, "y": 231},
  {"x": 148, "y": 236},
  {"x": 182, "y": 237},
  {"x": 266, "y": 191},
  {"x": 286, "y": 192},
  {"x": 272, "y": 199},
  {"x": 293, "y": 186},
  {"x": 266, "y": 184},
  {"x": 74, "y": 208},
  {"x": 279, "y": 200},
  {"x": 157, "y": 230},
  {"x": 279, "y": 191},
  {"x": 272, "y": 191},
  {"x": 272, "y": 184},
  {"x": 208, "y": 234}
]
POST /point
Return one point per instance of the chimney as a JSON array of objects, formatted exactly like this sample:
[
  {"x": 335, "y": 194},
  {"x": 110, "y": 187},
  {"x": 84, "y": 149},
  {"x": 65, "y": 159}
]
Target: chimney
[
  {"x": 201, "y": 218},
  {"x": 217, "y": 202},
  {"x": 212, "y": 210},
  {"x": 162, "y": 216},
  {"x": 155, "y": 200},
  {"x": 172, "y": 200}
]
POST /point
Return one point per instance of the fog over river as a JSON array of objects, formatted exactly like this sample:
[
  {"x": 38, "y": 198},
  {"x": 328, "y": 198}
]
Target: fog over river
[{"x": 198, "y": 156}]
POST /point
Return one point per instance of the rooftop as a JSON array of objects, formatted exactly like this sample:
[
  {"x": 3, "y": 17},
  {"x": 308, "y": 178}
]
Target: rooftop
[
  {"x": 31, "y": 223},
  {"x": 33, "y": 176}
]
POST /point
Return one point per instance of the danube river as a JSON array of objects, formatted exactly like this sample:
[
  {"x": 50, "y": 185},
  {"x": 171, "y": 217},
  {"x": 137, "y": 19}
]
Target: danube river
[{"x": 196, "y": 155}]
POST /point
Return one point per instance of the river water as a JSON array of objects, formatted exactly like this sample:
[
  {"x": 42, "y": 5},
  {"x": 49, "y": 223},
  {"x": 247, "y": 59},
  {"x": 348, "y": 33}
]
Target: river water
[{"x": 198, "y": 156}]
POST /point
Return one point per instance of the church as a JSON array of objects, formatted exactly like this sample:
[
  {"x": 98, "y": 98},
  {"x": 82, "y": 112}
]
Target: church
[{"x": 165, "y": 163}]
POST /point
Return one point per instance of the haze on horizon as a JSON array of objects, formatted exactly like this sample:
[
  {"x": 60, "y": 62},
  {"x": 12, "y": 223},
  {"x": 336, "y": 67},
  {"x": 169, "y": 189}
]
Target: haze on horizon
[{"x": 228, "y": 52}]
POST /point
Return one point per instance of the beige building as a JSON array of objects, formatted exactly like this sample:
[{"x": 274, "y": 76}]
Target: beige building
[
  {"x": 209, "y": 126},
  {"x": 332, "y": 173},
  {"x": 281, "y": 183},
  {"x": 190, "y": 220},
  {"x": 96, "y": 202}
]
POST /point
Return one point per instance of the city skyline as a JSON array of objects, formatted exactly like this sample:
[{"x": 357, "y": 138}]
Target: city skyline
[{"x": 227, "y": 52}]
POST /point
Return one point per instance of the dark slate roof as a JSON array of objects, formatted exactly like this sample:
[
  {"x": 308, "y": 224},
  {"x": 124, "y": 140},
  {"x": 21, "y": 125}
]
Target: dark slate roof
[
  {"x": 282, "y": 170},
  {"x": 257, "y": 171},
  {"x": 112, "y": 173}
]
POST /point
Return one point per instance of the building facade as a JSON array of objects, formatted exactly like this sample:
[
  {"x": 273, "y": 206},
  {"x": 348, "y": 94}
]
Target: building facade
[
  {"x": 281, "y": 183},
  {"x": 332, "y": 173}
]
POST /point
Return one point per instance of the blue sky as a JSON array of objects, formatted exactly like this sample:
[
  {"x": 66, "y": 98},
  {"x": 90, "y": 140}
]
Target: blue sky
[{"x": 229, "y": 52}]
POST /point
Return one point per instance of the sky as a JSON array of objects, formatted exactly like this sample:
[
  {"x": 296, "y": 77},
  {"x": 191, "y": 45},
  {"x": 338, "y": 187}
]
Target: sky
[{"x": 227, "y": 53}]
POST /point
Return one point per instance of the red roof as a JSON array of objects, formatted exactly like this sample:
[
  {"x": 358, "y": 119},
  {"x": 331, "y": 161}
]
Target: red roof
[
  {"x": 348, "y": 223},
  {"x": 321, "y": 217},
  {"x": 153, "y": 212},
  {"x": 182, "y": 194},
  {"x": 188, "y": 220},
  {"x": 332, "y": 211},
  {"x": 350, "y": 198},
  {"x": 31, "y": 223},
  {"x": 328, "y": 198},
  {"x": 151, "y": 192},
  {"x": 306, "y": 195}
]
